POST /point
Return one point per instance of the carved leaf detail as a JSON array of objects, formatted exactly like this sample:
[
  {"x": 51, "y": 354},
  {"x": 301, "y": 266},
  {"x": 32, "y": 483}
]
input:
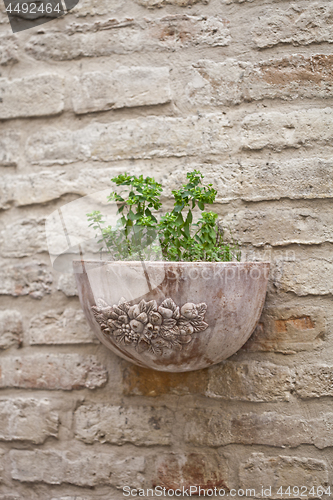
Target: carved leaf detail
[{"x": 150, "y": 327}]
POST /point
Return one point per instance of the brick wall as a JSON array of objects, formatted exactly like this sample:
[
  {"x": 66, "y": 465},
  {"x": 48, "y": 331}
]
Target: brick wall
[{"x": 242, "y": 90}]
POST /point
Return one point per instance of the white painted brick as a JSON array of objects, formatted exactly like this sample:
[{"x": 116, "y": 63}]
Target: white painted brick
[
  {"x": 27, "y": 420},
  {"x": 250, "y": 381},
  {"x": 11, "y": 328},
  {"x": 122, "y": 37},
  {"x": 9, "y": 149},
  {"x": 70, "y": 327},
  {"x": 234, "y": 82},
  {"x": 122, "y": 88},
  {"x": 297, "y": 25},
  {"x": 277, "y": 130},
  {"x": 52, "y": 372},
  {"x": 149, "y": 137},
  {"x": 8, "y": 50},
  {"x": 87, "y": 468},
  {"x": 142, "y": 426},
  {"x": 40, "y": 95},
  {"x": 305, "y": 277},
  {"x": 23, "y": 238},
  {"x": 32, "y": 279}
]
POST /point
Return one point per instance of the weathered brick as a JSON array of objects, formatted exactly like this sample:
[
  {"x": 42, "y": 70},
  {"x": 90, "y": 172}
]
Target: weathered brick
[
  {"x": 282, "y": 471},
  {"x": 233, "y": 81},
  {"x": 69, "y": 327},
  {"x": 297, "y": 25},
  {"x": 85, "y": 468},
  {"x": 153, "y": 4},
  {"x": 288, "y": 330},
  {"x": 304, "y": 277},
  {"x": 149, "y": 137},
  {"x": 8, "y": 50},
  {"x": 314, "y": 381},
  {"x": 96, "y": 7},
  {"x": 178, "y": 471},
  {"x": 2, "y": 463},
  {"x": 52, "y": 371},
  {"x": 122, "y": 88},
  {"x": 210, "y": 427},
  {"x": 139, "y": 381},
  {"x": 67, "y": 285},
  {"x": 277, "y": 130},
  {"x": 40, "y": 95},
  {"x": 250, "y": 381},
  {"x": 142, "y": 426},
  {"x": 9, "y": 149},
  {"x": 281, "y": 226},
  {"x": 27, "y": 420},
  {"x": 32, "y": 279},
  {"x": 23, "y": 238},
  {"x": 11, "y": 328},
  {"x": 122, "y": 37},
  {"x": 249, "y": 180}
]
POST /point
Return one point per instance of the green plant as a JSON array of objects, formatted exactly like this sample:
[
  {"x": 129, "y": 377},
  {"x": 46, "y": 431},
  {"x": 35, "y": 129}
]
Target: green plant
[{"x": 140, "y": 234}]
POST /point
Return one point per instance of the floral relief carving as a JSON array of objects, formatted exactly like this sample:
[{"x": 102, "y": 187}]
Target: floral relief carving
[{"x": 149, "y": 326}]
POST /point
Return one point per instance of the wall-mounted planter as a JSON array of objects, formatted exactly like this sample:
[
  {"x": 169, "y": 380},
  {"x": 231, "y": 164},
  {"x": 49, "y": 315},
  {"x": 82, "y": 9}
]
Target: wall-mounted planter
[{"x": 172, "y": 316}]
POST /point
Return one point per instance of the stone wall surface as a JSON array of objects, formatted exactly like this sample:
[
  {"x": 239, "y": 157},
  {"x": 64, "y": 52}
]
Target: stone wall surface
[{"x": 242, "y": 90}]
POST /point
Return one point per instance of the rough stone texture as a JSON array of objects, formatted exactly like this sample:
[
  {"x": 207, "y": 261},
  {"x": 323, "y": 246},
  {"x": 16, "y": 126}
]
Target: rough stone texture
[
  {"x": 11, "y": 328},
  {"x": 153, "y": 4},
  {"x": 281, "y": 226},
  {"x": 306, "y": 277},
  {"x": 219, "y": 428},
  {"x": 118, "y": 425},
  {"x": 8, "y": 50},
  {"x": 24, "y": 238},
  {"x": 314, "y": 381},
  {"x": 9, "y": 147},
  {"x": 67, "y": 285},
  {"x": 233, "y": 81},
  {"x": 82, "y": 469},
  {"x": 289, "y": 330},
  {"x": 126, "y": 36},
  {"x": 123, "y": 88},
  {"x": 32, "y": 279},
  {"x": 199, "y": 470},
  {"x": 141, "y": 138},
  {"x": 295, "y": 25},
  {"x": 68, "y": 327},
  {"x": 27, "y": 420},
  {"x": 250, "y": 381},
  {"x": 40, "y": 95},
  {"x": 282, "y": 471},
  {"x": 52, "y": 372},
  {"x": 277, "y": 130}
]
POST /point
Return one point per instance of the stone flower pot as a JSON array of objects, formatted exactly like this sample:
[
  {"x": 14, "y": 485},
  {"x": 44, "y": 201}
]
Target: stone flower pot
[{"x": 172, "y": 316}]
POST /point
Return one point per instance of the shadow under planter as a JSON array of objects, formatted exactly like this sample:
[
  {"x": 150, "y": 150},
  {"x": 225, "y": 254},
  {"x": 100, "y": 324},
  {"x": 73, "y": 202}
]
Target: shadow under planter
[{"x": 172, "y": 316}]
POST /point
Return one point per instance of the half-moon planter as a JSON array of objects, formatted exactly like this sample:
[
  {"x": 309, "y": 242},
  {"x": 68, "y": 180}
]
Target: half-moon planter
[{"x": 172, "y": 316}]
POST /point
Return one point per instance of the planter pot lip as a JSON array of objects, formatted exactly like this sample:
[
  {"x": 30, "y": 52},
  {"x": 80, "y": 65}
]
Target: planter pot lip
[{"x": 160, "y": 262}]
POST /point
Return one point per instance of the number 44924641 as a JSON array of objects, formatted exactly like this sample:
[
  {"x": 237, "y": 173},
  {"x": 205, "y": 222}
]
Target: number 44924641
[{"x": 304, "y": 491}]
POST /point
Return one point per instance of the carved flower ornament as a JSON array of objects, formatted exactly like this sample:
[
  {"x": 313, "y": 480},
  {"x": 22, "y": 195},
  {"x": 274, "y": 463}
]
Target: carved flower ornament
[{"x": 150, "y": 327}]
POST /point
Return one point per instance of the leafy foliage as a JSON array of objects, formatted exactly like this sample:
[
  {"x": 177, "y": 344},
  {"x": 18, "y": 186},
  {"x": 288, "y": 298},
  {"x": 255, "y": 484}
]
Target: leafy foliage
[{"x": 138, "y": 233}]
